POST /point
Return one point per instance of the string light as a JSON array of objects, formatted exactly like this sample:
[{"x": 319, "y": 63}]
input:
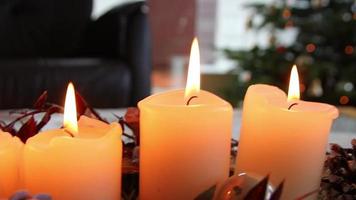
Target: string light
[
  {"x": 349, "y": 50},
  {"x": 310, "y": 47},
  {"x": 344, "y": 100},
  {"x": 286, "y": 13}
]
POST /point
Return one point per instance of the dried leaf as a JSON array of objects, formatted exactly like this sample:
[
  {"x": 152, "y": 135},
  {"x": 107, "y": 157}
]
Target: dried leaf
[
  {"x": 41, "y": 101},
  {"x": 27, "y": 130},
  {"x": 121, "y": 121},
  {"x": 45, "y": 119},
  {"x": 276, "y": 195},
  {"x": 10, "y": 127},
  {"x": 81, "y": 104},
  {"x": 41, "y": 105},
  {"x": 337, "y": 149},
  {"x": 259, "y": 191},
  {"x": 83, "y": 108},
  {"x": 132, "y": 115},
  {"x": 132, "y": 119},
  {"x": 339, "y": 178}
]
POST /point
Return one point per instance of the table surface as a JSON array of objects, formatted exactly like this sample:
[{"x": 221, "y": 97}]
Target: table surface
[{"x": 343, "y": 130}]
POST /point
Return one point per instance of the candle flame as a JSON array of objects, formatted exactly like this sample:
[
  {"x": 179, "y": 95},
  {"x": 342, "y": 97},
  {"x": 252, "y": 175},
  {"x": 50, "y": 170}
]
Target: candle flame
[
  {"x": 70, "y": 111},
  {"x": 193, "y": 81},
  {"x": 293, "y": 91}
]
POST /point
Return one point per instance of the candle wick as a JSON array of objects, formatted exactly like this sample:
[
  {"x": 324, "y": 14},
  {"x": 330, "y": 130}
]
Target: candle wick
[
  {"x": 69, "y": 133},
  {"x": 192, "y": 97},
  {"x": 293, "y": 104}
]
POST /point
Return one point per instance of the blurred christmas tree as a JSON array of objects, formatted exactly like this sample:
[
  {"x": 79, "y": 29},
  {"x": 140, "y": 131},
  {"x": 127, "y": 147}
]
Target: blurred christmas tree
[{"x": 324, "y": 49}]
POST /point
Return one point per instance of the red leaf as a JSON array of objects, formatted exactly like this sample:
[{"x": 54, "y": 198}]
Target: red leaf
[
  {"x": 10, "y": 127},
  {"x": 45, "y": 119},
  {"x": 83, "y": 107},
  {"x": 81, "y": 104},
  {"x": 40, "y": 102},
  {"x": 10, "y": 130},
  {"x": 132, "y": 120},
  {"x": 27, "y": 130}
]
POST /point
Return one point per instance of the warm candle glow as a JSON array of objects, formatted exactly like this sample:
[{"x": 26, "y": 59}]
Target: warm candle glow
[
  {"x": 293, "y": 91},
  {"x": 70, "y": 111},
  {"x": 193, "y": 81}
]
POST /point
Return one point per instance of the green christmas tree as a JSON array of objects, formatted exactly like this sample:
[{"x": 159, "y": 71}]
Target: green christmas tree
[{"x": 324, "y": 49}]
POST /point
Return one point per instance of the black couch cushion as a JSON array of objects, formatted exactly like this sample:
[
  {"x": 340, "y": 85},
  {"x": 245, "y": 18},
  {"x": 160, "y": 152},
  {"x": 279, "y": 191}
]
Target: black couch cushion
[
  {"x": 101, "y": 82},
  {"x": 42, "y": 28},
  {"x": 39, "y": 42}
]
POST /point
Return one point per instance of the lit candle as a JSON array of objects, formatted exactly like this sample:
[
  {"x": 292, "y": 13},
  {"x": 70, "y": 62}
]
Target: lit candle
[
  {"x": 185, "y": 140},
  {"x": 10, "y": 159},
  {"x": 284, "y": 137},
  {"x": 80, "y": 161}
]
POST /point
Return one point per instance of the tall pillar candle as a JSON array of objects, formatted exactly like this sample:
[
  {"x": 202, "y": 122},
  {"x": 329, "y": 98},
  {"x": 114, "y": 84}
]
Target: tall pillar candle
[
  {"x": 185, "y": 141},
  {"x": 285, "y": 139}
]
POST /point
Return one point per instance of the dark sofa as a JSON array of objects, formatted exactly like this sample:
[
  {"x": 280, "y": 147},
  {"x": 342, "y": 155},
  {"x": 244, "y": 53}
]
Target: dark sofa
[{"x": 44, "y": 44}]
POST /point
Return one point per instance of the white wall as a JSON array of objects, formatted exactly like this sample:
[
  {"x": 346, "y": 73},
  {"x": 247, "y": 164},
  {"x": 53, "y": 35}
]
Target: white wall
[
  {"x": 231, "y": 32},
  {"x": 231, "y": 29}
]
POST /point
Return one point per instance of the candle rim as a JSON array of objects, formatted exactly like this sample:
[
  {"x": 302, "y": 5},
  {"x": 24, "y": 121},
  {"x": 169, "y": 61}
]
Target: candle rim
[
  {"x": 114, "y": 130},
  {"x": 7, "y": 140},
  {"x": 148, "y": 101},
  {"x": 328, "y": 110}
]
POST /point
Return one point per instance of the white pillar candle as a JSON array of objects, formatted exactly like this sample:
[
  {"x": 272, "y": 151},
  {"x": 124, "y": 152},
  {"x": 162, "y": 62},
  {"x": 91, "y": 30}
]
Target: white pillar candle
[
  {"x": 185, "y": 149},
  {"x": 287, "y": 144},
  {"x": 85, "y": 166}
]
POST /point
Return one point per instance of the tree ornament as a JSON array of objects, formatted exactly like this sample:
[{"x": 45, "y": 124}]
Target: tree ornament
[
  {"x": 286, "y": 13},
  {"x": 349, "y": 49}
]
